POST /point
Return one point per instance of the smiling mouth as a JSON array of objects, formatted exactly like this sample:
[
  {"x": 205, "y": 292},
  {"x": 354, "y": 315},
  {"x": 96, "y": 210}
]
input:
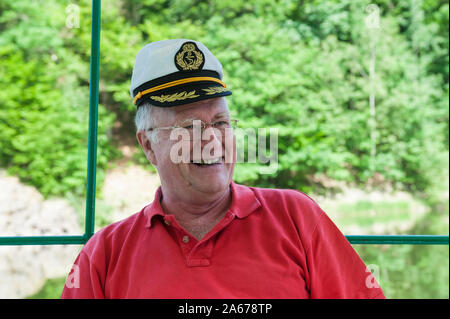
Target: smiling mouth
[{"x": 207, "y": 162}]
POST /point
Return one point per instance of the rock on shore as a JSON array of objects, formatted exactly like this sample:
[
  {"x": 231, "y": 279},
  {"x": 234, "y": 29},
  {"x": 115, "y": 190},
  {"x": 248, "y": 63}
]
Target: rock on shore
[{"x": 24, "y": 212}]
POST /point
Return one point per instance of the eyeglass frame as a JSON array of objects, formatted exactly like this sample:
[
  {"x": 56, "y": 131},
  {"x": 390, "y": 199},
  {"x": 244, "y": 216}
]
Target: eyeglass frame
[{"x": 233, "y": 123}]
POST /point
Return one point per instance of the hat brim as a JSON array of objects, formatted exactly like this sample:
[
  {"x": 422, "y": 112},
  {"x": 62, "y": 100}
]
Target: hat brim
[{"x": 184, "y": 94}]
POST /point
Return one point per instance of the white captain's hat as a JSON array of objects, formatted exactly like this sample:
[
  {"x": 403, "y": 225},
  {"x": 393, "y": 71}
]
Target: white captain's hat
[{"x": 175, "y": 72}]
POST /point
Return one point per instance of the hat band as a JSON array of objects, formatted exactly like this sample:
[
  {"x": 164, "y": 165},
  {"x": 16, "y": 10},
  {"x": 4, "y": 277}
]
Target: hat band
[{"x": 177, "y": 82}]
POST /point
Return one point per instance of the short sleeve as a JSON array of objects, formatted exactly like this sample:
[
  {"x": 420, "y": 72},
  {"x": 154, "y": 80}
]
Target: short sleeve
[
  {"x": 84, "y": 280},
  {"x": 336, "y": 270}
]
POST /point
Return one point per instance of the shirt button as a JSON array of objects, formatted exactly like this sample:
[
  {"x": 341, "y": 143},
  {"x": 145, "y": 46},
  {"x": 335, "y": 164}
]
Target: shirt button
[
  {"x": 185, "y": 239},
  {"x": 166, "y": 222}
]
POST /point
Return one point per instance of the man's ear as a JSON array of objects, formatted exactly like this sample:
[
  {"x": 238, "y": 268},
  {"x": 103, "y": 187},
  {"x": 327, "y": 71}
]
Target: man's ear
[{"x": 146, "y": 146}]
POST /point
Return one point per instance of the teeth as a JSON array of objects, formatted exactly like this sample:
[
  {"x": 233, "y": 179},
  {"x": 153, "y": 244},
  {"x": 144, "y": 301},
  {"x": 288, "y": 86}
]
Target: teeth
[
  {"x": 209, "y": 162},
  {"x": 213, "y": 161}
]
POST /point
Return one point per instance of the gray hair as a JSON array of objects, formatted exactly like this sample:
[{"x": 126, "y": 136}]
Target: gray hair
[{"x": 144, "y": 120}]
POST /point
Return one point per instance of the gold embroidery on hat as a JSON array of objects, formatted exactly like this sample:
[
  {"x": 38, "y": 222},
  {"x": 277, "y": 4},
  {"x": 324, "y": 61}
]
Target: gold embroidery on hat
[
  {"x": 174, "y": 83},
  {"x": 174, "y": 97},
  {"x": 189, "y": 58},
  {"x": 214, "y": 90}
]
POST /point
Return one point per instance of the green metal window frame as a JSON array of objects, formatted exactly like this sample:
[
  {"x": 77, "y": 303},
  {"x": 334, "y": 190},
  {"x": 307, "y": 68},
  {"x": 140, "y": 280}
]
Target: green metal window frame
[{"x": 92, "y": 162}]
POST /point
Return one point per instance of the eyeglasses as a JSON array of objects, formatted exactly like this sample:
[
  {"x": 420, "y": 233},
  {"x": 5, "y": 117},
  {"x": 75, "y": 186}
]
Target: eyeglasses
[{"x": 190, "y": 124}]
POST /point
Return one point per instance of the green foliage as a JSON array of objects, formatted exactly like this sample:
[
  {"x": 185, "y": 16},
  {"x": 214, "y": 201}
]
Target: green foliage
[
  {"x": 52, "y": 289},
  {"x": 309, "y": 77},
  {"x": 302, "y": 68},
  {"x": 44, "y": 109},
  {"x": 409, "y": 271},
  {"x": 412, "y": 271}
]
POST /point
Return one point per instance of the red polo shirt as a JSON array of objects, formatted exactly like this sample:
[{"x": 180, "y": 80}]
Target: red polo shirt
[{"x": 271, "y": 243}]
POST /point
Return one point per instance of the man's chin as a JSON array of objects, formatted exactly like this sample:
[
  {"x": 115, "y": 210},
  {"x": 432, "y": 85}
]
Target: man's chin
[
  {"x": 210, "y": 188},
  {"x": 214, "y": 179},
  {"x": 210, "y": 185}
]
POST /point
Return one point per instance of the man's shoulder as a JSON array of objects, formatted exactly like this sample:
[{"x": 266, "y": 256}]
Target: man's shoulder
[
  {"x": 290, "y": 203},
  {"x": 115, "y": 232},
  {"x": 289, "y": 196}
]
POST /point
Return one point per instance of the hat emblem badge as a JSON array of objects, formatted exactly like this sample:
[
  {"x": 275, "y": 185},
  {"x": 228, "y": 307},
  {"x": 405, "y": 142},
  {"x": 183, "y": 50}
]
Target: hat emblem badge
[{"x": 189, "y": 57}]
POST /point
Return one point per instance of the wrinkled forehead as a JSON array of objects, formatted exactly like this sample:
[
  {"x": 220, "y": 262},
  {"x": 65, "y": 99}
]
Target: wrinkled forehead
[{"x": 206, "y": 110}]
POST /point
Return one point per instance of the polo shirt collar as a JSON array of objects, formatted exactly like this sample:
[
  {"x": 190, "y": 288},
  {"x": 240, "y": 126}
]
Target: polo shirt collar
[
  {"x": 243, "y": 200},
  {"x": 154, "y": 208},
  {"x": 243, "y": 203}
]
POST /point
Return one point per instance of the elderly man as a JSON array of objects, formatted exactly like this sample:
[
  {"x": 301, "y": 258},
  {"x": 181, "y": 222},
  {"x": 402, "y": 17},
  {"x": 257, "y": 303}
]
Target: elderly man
[{"x": 205, "y": 236}]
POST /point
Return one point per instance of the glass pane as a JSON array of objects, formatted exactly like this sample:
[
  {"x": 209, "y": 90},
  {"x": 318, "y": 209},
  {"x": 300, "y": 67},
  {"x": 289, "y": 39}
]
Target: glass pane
[
  {"x": 358, "y": 212},
  {"x": 408, "y": 271},
  {"x": 25, "y": 270},
  {"x": 43, "y": 118}
]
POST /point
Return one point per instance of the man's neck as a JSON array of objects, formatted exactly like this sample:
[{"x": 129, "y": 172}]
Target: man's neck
[{"x": 197, "y": 217}]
